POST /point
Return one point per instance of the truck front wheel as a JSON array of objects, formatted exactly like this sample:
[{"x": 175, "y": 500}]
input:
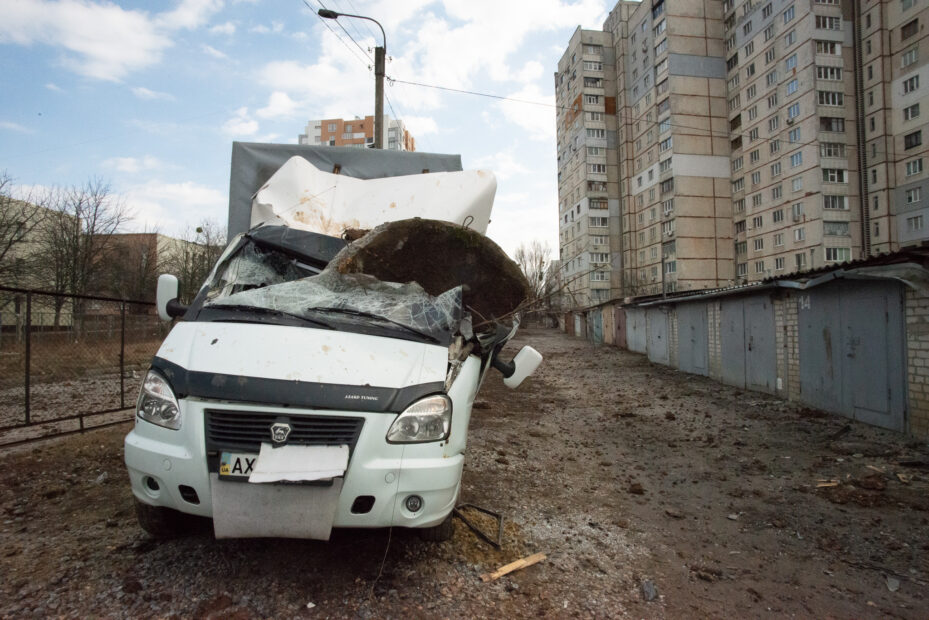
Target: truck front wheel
[{"x": 158, "y": 521}]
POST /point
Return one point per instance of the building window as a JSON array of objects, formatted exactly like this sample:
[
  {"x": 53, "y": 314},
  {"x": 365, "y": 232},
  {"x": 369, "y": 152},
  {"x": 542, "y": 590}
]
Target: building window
[
  {"x": 830, "y": 98},
  {"x": 779, "y": 240},
  {"x": 776, "y": 192},
  {"x": 914, "y": 224},
  {"x": 759, "y": 266},
  {"x": 758, "y": 245},
  {"x": 741, "y": 269},
  {"x": 910, "y": 84},
  {"x": 829, "y": 73},
  {"x": 914, "y": 166},
  {"x": 796, "y": 159},
  {"x": 835, "y": 202},
  {"x": 796, "y": 184},
  {"x": 838, "y": 255},
  {"x": 912, "y": 196},
  {"x": 758, "y": 221},
  {"x": 793, "y": 135},
  {"x": 792, "y": 86},
  {"x": 789, "y": 14},
  {"x": 830, "y": 48},
  {"x": 911, "y": 112},
  {"x": 775, "y": 169},
  {"x": 756, "y": 178},
  {"x": 779, "y": 264},
  {"x": 832, "y": 123},
  {"x": 835, "y": 175},
  {"x": 832, "y": 149},
  {"x": 835, "y": 229},
  {"x": 599, "y": 258},
  {"x": 912, "y": 140},
  {"x": 799, "y": 235},
  {"x": 909, "y": 29},
  {"x": 793, "y": 111},
  {"x": 790, "y": 38},
  {"x": 774, "y": 146},
  {"x": 828, "y": 23},
  {"x": 598, "y": 222},
  {"x": 909, "y": 57}
]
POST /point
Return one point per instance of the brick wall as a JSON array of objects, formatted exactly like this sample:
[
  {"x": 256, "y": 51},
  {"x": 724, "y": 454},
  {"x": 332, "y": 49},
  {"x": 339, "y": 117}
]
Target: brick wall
[
  {"x": 673, "y": 356},
  {"x": 786, "y": 324},
  {"x": 917, "y": 353}
]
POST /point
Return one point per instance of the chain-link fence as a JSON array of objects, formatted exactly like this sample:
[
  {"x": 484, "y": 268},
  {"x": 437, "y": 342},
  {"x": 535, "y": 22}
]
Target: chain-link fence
[{"x": 70, "y": 362}]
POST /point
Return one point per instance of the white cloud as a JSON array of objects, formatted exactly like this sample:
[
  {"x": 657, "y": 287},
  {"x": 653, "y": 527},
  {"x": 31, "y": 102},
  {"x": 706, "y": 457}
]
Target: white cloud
[
  {"x": 420, "y": 125},
  {"x": 241, "y": 124},
  {"x": 170, "y": 206},
  {"x": 212, "y": 51},
  {"x": 503, "y": 164},
  {"x": 100, "y": 40},
  {"x": 189, "y": 14},
  {"x": 520, "y": 217},
  {"x": 530, "y": 72},
  {"x": 280, "y": 105},
  {"x": 538, "y": 120},
  {"x": 274, "y": 28},
  {"x": 133, "y": 165},
  {"x": 227, "y": 28},
  {"x": 54, "y": 87},
  {"x": 144, "y": 93},
  {"x": 9, "y": 126}
]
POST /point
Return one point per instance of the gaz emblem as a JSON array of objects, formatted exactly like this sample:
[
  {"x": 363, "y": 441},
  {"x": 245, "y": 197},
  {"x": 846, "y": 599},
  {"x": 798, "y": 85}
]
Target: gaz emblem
[{"x": 280, "y": 432}]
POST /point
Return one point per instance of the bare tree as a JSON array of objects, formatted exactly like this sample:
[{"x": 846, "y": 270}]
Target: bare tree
[
  {"x": 75, "y": 241},
  {"x": 18, "y": 220},
  {"x": 134, "y": 275},
  {"x": 534, "y": 260},
  {"x": 191, "y": 258}
]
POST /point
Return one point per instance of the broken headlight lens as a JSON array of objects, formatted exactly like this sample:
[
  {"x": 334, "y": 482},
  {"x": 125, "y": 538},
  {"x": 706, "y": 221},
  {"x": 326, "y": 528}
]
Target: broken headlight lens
[
  {"x": 428, "y": 419},
  {"x": 157, "y": 403}
]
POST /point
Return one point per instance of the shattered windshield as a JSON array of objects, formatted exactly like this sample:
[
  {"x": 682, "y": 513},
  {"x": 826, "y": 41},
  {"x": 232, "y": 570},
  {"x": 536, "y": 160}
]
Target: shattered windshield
[{"x": 258, "y": 278}]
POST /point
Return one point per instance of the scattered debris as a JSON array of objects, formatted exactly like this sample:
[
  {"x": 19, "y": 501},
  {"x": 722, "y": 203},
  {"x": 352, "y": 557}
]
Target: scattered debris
[
  {"x": 893, "y": 584},
  {"x": 520, "y": 564},
  {"x": 649, "y": 591},
  {"x": 636, "y": 489}
]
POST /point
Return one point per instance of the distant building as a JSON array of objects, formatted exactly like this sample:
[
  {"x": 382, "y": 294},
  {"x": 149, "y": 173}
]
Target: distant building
[{"x": 357, "y": 132}]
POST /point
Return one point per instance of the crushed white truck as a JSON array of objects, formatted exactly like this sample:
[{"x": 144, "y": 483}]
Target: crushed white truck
[{"x": 324, "y": 378}]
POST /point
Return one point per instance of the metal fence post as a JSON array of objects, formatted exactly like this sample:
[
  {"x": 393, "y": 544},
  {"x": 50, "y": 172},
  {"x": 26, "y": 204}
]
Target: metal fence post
[
  {"x": 122, "y": 355},
  {"x": 28, "y": 350}
]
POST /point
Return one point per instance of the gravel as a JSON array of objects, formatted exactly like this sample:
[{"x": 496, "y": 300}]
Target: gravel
[{"x": 631, "y": 505}]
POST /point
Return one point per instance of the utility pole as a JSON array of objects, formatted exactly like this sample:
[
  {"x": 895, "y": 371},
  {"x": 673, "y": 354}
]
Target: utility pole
[{"x": 380, "y": 53}]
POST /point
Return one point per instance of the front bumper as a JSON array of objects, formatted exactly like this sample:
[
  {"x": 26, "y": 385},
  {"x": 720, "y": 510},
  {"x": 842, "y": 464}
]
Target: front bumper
[{"x": 165, "y": 464}]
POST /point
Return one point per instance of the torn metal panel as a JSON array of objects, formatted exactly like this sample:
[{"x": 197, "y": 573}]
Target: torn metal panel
[
  {"x": 253, "y": 164},
  {"x": 302, "y": 196}
]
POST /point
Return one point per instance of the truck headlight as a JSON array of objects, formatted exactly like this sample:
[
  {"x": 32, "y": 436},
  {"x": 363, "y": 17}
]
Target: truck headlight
[
  {"x": 157, "y": 403},
  {"x": 425, "y": 420}
]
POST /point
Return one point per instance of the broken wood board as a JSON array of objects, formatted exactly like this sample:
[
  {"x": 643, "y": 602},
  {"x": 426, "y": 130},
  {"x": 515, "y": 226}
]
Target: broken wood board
[{"x": 520, "y": 564}]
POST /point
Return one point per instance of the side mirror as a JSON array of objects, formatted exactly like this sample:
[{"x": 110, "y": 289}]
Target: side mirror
[
  {"x": 166, "y": 298},
  {"x": 522, "y": 366}
]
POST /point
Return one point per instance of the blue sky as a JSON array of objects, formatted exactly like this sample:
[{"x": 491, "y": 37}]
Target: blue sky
[{"x": 150, "y": 96}]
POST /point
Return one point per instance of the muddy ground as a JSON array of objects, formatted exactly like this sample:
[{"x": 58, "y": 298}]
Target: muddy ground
[{"x": 653, "y": 493}]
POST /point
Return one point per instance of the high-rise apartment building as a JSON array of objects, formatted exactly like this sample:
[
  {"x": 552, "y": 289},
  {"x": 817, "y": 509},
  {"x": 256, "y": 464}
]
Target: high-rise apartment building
[
  {"x": 357, "y": 132},
  {"x": 753, "y": 138},
  {"x": 588, "y": 181}
]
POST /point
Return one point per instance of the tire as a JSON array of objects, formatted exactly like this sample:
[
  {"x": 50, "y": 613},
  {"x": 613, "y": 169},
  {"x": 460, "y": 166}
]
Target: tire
[
  {"x": 439, "y": 533},
  {"x": 159, "y": 522}
]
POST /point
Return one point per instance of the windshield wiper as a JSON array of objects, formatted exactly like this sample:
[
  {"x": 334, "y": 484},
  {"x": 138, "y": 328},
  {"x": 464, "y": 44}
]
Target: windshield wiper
[
  {"x": 378, "y": 317},
  {"x": 267, "y": 311}
]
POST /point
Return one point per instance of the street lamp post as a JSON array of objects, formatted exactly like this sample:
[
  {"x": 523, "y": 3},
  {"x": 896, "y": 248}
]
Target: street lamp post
[{"x": 380, "y": 52}]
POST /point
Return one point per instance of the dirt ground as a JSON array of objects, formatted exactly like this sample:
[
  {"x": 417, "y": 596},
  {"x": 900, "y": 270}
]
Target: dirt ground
[{"x": 653, "y": 493}]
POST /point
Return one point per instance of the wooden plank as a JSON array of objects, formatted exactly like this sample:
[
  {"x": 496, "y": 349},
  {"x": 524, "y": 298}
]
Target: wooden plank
[{"x": 535, "y": 558}]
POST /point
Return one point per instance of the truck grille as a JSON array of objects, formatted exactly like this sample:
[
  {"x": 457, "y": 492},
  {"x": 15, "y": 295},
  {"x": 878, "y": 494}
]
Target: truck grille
[{"x": 246, "y": 430}]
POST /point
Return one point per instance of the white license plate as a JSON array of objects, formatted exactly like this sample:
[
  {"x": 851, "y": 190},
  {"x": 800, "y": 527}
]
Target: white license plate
[{"x": 236, "y": 464}]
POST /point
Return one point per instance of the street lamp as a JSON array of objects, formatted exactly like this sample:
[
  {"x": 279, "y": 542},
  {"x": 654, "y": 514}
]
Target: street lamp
[{"x": 380, "y": 53}]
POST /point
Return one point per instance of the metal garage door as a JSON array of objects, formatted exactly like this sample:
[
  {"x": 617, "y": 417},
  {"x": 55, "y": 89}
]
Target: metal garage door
[
  {"x": 747, "y": 344},
  {"x": 852, "y": 351},
  {"x": 595, "y": 317},
  {"x": 692, "y": 338},
  {"x": 657, "y": 335},
  {"x": 732, "y": 341},
  {"x": 636, "y": 330}
]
